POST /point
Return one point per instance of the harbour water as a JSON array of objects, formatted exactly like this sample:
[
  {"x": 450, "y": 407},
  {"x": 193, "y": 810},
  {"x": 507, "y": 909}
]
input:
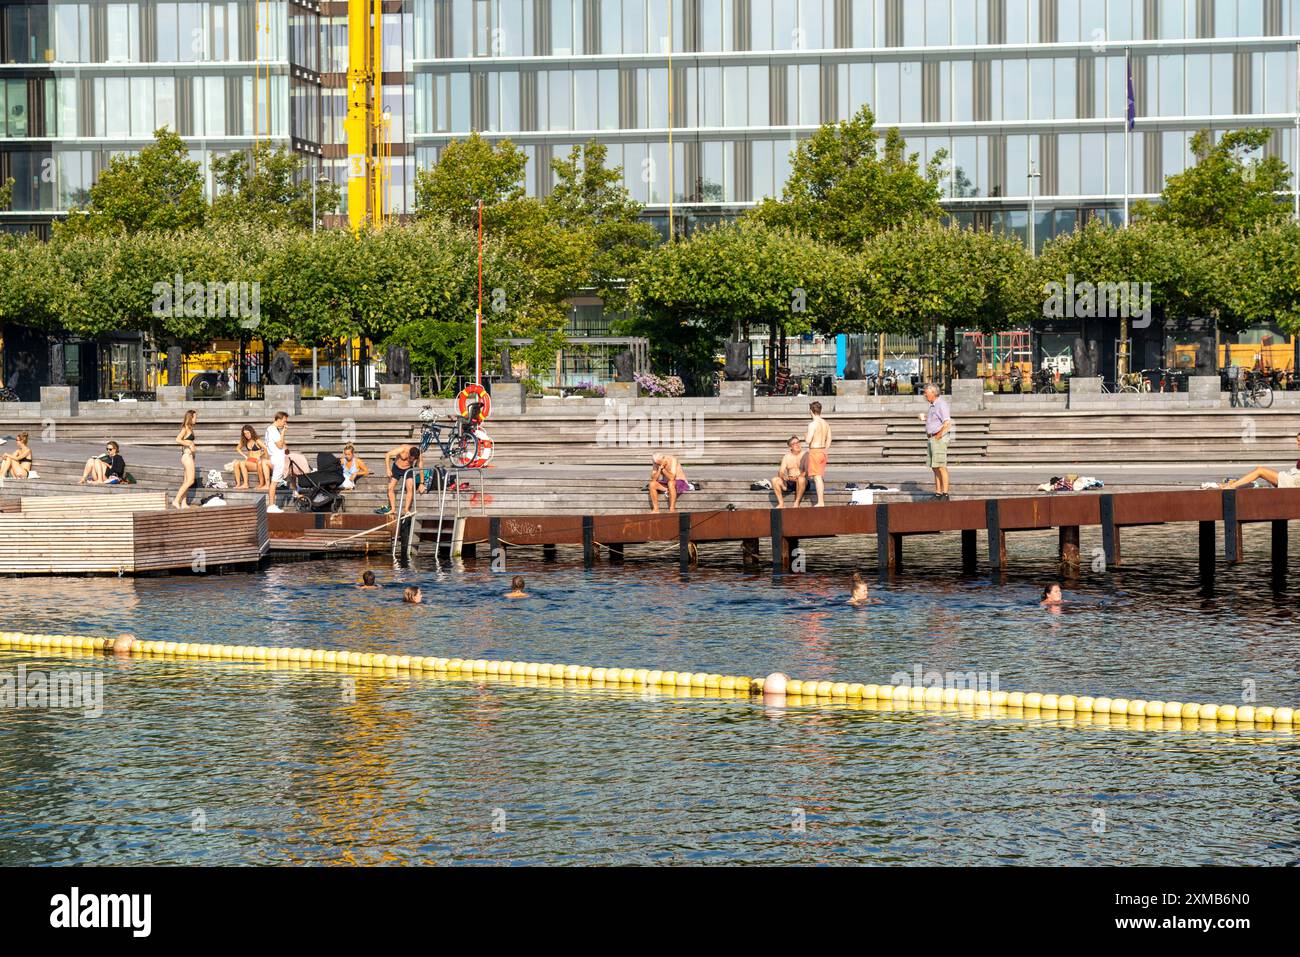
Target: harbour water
[{"x": 197, "y": 762}]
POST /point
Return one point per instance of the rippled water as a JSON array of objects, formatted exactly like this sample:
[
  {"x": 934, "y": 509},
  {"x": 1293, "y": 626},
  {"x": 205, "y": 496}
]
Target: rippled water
[{"x": 199, "y": 762}]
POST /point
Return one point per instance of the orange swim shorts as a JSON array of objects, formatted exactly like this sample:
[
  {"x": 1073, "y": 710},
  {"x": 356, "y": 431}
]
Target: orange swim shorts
[{"x": 816, "y": 463}]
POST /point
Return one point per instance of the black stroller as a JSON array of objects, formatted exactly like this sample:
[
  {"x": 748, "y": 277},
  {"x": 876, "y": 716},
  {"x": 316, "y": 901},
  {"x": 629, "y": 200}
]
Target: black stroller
[{"x": 319, "y": 491}]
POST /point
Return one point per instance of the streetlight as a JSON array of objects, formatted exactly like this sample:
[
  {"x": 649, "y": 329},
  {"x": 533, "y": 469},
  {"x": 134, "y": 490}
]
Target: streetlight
[
  {"x": 322, "y": 179},
  {"x": 1034, "y": 174}
]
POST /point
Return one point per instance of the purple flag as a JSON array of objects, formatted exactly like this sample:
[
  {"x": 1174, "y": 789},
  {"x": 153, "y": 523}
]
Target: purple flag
[{"x": 1132, "y": 99}]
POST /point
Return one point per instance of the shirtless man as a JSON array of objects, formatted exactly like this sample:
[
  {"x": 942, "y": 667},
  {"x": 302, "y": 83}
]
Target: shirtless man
[
  {"x": 789, "y": 477},
  {"x": 667, "y": 476},
  {"x": 818, "y": 441}
]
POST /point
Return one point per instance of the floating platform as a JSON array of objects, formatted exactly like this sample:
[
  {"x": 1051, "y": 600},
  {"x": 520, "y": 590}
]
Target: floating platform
[
  {"x": 889, "y": 525},
  {"x": 307, "y": 534},
  {"x": 127, "y": 533}
]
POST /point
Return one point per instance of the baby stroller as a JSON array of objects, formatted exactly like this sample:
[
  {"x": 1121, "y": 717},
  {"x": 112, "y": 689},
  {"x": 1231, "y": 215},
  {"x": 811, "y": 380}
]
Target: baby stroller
[{"x": 319, "y": 491}]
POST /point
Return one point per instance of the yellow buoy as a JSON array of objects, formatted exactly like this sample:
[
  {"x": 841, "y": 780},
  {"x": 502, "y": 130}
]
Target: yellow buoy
[{"x": 1284, "y": 716}]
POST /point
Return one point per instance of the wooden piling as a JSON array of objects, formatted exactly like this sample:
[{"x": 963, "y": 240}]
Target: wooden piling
[{"x": 1068, "y": 540}]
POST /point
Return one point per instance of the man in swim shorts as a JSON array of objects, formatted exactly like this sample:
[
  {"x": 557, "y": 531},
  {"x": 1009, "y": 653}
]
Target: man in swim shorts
[
  {"x": 818, "y": 441},
  {"x": 667, "y": 477},
  {"x": 790, "y": 479}
]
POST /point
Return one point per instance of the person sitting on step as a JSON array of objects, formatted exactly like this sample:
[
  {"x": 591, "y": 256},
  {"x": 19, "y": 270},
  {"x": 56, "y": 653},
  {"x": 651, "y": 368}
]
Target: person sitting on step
[
  {"x": 106, "y": 469},
  {"x": 18, "y": 463}
]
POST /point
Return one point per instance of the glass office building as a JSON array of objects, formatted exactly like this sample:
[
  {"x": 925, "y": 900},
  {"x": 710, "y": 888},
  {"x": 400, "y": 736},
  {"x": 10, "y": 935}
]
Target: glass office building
[
  {"x": 80, "y": 82},
  {"x": 1006, "y": 87}
]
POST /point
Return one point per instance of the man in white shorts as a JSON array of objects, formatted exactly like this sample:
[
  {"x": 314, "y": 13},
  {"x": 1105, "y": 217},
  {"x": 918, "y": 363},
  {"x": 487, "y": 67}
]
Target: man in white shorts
[{"x": 279, "y": 451}]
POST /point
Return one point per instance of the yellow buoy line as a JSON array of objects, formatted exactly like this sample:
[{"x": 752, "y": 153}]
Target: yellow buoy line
[{"x": 1083, "y": 708}]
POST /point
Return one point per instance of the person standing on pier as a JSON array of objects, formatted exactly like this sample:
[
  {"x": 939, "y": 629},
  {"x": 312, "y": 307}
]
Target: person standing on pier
[
  {"x": 277, "y": 448},
  {"x": 818, "y": 441},
  {"x": 938, "y": 430}
]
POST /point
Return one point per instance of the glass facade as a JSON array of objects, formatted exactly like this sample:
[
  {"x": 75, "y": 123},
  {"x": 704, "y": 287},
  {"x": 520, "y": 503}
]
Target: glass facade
[
  {"x": 82, "y": 82},
  {"x": 1006, "y": 87}
]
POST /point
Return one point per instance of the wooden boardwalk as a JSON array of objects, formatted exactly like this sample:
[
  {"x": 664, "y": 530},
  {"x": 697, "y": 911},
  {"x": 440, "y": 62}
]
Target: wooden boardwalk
[
  {"x": 128, "y": 533},
  {"x": 891, "y": 524}
]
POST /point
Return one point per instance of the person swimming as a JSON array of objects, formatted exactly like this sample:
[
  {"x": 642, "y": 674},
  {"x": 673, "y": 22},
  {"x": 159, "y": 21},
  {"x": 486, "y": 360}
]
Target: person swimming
[
  {"x": 412, "y": 595},
  {"x": 861, "y": 592},
  {"x": 517, "y": 588},
  {"x": 367, "y": 580},
  {"x": 1051, "y": 596}
]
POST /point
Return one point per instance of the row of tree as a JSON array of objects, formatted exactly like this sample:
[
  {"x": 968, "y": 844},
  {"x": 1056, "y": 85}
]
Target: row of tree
[{"x": 856, "y": 243}]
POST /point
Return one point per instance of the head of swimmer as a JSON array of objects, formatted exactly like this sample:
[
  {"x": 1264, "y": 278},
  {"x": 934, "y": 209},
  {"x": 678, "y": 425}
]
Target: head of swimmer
[
  {"x": 1051, "y": 594},
  {"x": 517, "y": 585},
  {"x": 412, "y": 595},
  {"x": 861, "y": 591},
  {"x": 367, "y": 579}
]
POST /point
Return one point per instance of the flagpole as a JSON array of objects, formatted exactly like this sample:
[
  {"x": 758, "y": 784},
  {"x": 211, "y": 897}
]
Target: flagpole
[
  {"x": 1295, "y": 155},
  {"x": 1128, "y": 130}
]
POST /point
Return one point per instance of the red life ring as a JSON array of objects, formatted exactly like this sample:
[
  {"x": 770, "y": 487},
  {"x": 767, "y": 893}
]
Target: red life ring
[{"x": 471, "y": 394}]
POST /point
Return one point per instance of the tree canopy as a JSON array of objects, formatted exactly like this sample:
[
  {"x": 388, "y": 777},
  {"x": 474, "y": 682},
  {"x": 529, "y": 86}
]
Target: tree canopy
[
  {"x": 1230, "y": 189},
  {"x": 846, "y": 185},
  {"x": 274, "y": 189},
  {"x": 158, "y": 189}
]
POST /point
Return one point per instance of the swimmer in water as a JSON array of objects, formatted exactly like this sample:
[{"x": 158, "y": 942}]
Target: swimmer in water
[
  {"x": 412, "y": 595},
  {"x": 517, "y": 588},
  {"x": 367, "y": 580},
  {"x": 861, "y": 593},
  {"x": 1051, "y": 596}
]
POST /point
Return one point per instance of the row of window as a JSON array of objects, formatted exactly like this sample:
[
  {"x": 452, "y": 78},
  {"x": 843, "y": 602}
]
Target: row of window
[
  {"x": 513, "y": 28},
  {"x": 740, "y": 171},
  {"x": 54, "y": 181},
  {"x": 119, "y": 107},
  {"x": 221, "y": 30},
  {"x": 763, "y": 95}
]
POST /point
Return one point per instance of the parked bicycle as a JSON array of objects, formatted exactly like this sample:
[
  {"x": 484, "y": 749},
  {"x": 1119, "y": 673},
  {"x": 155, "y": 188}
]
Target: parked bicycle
[
  {"x": 1252, "y": 389},
  {"x": 886, "y": 385},
  {"x": 460, "y": 447},
  {"x": 1044, "y": 382}
]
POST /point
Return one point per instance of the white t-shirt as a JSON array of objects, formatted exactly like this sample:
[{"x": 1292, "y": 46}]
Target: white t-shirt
[{"x": 272, "y": 439}]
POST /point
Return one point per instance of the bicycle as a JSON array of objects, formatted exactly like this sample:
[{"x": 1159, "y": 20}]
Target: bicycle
[
  {"x": 1044, "y": 383},
  {"x": 1252, "y": 389},
  {"x": 460, "y": 448}
]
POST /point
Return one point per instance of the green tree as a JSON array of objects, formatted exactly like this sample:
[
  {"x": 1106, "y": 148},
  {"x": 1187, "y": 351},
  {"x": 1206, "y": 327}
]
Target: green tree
[
  {"x": 590, "y": 196},
  {"x": 934, "y": 275},
  {"x": 274, "y": 190},
  {"x": 1260, "y": 277},
  {"x": 470, "y": 170},
  {"x": 693, "y": 293},
  {"x": 6, "y": 193},
  {"x": 1230, "y": 190},
  {"x": 160, "y": 188},
  {"x": 845, "y": 186},
  {"x": 1167, "y": 258}
]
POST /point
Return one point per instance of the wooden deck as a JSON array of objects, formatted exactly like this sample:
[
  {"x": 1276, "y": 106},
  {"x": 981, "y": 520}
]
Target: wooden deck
[
  {"x": 891, "y": 524},
  {"x": 128, "y": 533}
]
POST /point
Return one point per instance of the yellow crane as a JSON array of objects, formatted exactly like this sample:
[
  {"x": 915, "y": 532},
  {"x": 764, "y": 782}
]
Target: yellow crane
[{"x": 367, "y": 125}]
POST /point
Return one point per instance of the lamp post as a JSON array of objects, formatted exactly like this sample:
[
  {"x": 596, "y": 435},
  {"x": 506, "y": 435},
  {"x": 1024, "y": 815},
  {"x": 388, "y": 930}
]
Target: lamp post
[
  {"x": 1034, "y": 175},
  {"x": 322, "y": 179}
]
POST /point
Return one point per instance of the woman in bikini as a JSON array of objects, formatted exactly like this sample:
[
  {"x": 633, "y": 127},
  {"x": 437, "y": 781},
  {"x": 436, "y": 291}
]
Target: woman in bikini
[
  {"x": 253, "y": 457},
  {"x": 18, "y": 463},
  {"x": 1285, "y": 478},
  {"x": 185, "y": 439}
]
